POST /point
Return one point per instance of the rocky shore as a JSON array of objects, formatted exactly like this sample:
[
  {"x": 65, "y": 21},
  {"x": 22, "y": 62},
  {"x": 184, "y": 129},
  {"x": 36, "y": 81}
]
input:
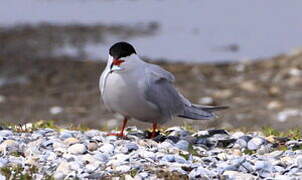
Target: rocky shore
[{"x": 176, "y": 153}]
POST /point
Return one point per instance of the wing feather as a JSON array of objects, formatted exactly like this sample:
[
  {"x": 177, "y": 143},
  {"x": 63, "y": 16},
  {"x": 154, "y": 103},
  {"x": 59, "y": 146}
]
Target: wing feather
[{"x": 160, "y": 91}]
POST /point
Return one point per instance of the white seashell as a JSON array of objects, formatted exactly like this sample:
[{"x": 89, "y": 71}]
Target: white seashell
[
  {"x": 77, "y": 149},
  {"x": 107, "y": 148}
]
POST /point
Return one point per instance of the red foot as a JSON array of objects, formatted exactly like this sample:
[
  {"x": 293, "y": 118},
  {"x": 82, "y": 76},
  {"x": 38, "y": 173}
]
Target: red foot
[
  {"x": 116, "y": 134},
  {"x": 121, "y": 134},
  {"x": 154, "y": 127}
]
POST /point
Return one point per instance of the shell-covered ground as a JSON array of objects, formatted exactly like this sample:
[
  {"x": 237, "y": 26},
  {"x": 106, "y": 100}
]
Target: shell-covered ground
[{"x": 44, "y": 151}]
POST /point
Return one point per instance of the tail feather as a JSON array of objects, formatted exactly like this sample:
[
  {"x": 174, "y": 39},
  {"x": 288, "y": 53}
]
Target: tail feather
[
  {"x": 210, "y": 108},
  {"x": 199, "y": 112}
]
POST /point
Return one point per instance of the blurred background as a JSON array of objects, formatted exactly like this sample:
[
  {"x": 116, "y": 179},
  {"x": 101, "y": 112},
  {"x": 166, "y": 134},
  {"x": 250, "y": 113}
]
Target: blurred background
[{"x": 245, "y": 54}]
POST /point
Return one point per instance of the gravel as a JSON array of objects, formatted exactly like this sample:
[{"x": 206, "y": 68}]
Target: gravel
[{"x": 175, "y": 153}]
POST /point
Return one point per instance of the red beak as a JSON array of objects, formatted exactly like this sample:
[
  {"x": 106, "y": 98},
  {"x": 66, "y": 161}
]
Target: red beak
[{"x": 117, "y": 62}]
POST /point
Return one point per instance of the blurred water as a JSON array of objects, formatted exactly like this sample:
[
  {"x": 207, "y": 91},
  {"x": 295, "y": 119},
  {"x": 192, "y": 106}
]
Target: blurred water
[{"x": 190, "y": 30}]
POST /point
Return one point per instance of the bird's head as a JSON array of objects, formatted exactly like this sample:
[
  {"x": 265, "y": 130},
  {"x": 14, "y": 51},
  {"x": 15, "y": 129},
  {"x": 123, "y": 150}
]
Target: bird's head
[{"x": 122, "y": 56}]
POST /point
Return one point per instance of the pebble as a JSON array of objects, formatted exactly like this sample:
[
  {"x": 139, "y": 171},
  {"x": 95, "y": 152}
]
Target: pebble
[
  {"x": 3, "y": 162},
  {"x": 249, "y": 86},
  {"x": 123, "y": 168},
  {"x": 206, "y": 101},
  {"x": 206, "y": 154},
  {"x": 62, "y": 170},
  {"x": 299, "y": 161},
  {"x": 92, "y": 146},
  {"x": 92, "y": 133},
  {"x": 240, "y": 143},
  {"x": 71, "y": 141},
  {"x": 56, "y": 110},
  {"x": 101, "y": 157},
  {"x": 131, "y": 147},
  {"x": 222, "y": 156},
  {"x": 255, "y": 143},
  {"x": 107, "y": 148},
  {"x": 223, "y": 94},
  {"x": 201, "y": 173},
  {"x": 6, "y": 133},
  {"x": 9, "y": 146},
  {"x": 65, "y": 135},
  {"x": 182, "y": 144},
  {"x": 237, "y": 135},
  {"x": 274, "y": 105},
  {"x": 235, "y": 175},
  {"x": 2, "y": 99},
  {"x": 263, "y": 165},
  {"x": 77, "y": 149}
]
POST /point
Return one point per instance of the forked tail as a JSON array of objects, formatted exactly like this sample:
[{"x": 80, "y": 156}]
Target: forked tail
[{"x": 199, "y": 112}]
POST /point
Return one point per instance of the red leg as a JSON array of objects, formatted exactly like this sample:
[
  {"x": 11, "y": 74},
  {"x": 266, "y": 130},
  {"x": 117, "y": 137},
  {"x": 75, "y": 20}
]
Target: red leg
[
  {"x": 154, "y": 127},
  {"x": 121, "y": 134},
  {"x": 123, "y": 127}
]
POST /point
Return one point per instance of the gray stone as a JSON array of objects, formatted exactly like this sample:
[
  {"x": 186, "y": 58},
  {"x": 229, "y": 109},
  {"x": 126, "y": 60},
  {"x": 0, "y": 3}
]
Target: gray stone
[
  {"x": 276, "y": 154},
  {"x": 62, "y": 170},
  {"x": 123, "y": 168},
  {"x": 107, "y": 148},
  {"x": 101, "y": 157},
  {"x": 3, "y": 162},
  {"x": 278, "y": 169},
  {"x": 240, "y": 143},
  {"x": 246, "y": 138},
  {"x": 182, "y": 144},
  {"x": 47, "y": 144},
  {"x": 255, "y": 143},
  {"x": 172, "y": 129},
  {"x": 180, "y": 159},
  {"x": 246, "y": 167},
  {"x": 201, "y": 172},
  {"x": 237, "y": 135},
  {"x": 65, "y": 134},
  {"x": 203, "y": 141},
  {"x": 299, "y": 161},
  {"x": 92, "y": 133},
  {"x": 264, "y": 149},
  {"x": 168, "y": 158},
  {"x": 235, "y": 175},
  {"x": 2, "y": 177},
  {"x": 131, "y": 147},
  {"x": 285, "y": 177},
  {"x": 234, "y": 164},
  {"x": 143, "y": 174},
  {"x": 6, "y": 133},
  {"x": 263, "y": 166},
  {"x": 9, "y": 146}
]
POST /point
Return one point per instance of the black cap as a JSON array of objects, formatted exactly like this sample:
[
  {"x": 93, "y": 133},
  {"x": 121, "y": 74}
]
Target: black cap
[{"x": 121, "y": 49}]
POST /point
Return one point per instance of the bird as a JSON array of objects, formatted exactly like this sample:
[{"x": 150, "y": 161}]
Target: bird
[{"x": 137, "y": 89}]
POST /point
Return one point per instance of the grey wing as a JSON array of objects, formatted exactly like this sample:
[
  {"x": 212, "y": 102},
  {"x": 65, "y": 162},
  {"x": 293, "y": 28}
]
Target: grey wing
[{"x": 160, "y": 91}]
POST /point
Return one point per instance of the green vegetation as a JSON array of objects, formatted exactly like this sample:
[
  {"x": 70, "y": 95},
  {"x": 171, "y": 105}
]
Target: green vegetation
[
  {"x": 42, "y": 124},
  {"x": 133, "y": 172},
  {"x": 17, "y": 154},
  {"x": 18, "y": 172},
  {"x": 294, "y": 134},
  {"x": 191, "y": 151},
  {"x": 249, "y": 152},
  {"x": 30, "y": 127},
  {"x": 188, "y": 127}
]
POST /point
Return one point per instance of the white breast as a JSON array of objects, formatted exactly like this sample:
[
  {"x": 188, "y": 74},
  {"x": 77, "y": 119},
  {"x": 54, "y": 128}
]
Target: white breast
[{"x": 124, "y": 93}]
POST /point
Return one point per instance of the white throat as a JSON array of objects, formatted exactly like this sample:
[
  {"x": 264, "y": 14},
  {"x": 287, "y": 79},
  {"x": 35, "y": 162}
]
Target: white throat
[{"x": 131, "y": 63}]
